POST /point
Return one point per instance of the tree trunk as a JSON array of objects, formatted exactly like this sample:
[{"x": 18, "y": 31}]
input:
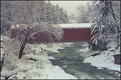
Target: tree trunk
[{"x": 22, "y": 48}]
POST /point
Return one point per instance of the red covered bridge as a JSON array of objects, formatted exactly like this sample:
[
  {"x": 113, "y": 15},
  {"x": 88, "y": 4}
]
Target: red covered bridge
[{"x": 72, "y": 32}]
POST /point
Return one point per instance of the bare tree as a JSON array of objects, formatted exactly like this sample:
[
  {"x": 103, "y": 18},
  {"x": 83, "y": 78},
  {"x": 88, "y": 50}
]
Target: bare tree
[
  {"x": 6, "y": 16},
  {"x": 11, "y": 13},
  {"x": 86, "y": 13},
  {"x": 82, "y": 16},
  {"x": 32, "y": 25}
]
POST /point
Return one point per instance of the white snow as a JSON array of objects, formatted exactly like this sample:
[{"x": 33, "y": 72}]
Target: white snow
[
  {"x": 104, "y": 60},
  {"x": 55, "y": 46},
  {"x": 85, "y": 44},
  {"x": 2, "y": 78},
  {"x": 77, "y": 25},
  {"x": 112, "y": 45},
  {"x": 84, "y": 50},
  {"x": 2, "y": 53},
  {"x": 97, "y": 3},
  {"x": 34, "y": 64},
  {"x": 48, "y": 71}
]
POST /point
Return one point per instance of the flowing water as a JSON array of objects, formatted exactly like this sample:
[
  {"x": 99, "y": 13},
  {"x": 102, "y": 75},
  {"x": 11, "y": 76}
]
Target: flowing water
[{"x": 70, "y": 60}]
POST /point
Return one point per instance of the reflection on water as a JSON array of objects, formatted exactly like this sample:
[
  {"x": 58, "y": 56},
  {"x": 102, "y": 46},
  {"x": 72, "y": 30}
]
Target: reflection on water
[{"x": 70, "y": 60}]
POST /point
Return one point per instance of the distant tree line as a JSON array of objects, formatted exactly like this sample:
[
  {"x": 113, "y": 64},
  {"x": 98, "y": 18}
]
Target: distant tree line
[{"x": 90, "y": 13}]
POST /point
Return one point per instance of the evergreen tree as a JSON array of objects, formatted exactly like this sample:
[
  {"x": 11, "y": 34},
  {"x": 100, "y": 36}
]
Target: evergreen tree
[{"x": 105, "y": 29}]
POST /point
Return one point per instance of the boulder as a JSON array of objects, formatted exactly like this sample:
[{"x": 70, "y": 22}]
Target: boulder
[{"x": 117, "y": 59}]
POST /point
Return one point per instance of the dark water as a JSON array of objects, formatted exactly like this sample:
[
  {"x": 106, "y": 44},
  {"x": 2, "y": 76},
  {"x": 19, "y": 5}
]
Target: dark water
[{"x": 72, "y": 63}]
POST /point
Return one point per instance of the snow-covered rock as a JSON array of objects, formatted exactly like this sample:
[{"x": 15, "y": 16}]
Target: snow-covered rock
[
  {"x": 84, "y": 50},
  {"x": 112, "y": 45},
  {"x": 85, "y": 44},
  {"x": 55, "y": 46}
]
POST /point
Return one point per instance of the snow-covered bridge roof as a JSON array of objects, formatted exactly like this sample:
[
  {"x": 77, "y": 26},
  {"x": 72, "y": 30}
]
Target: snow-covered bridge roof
[
  {"x": 65, "y": 26},
  {"x": 76, "y": 25}
]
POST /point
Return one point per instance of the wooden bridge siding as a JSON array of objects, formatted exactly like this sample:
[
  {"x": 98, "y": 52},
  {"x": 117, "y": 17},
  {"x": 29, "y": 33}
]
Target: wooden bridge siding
[
  {"x": 76, "y": 35},
  {"x": 70, "y": 35}
]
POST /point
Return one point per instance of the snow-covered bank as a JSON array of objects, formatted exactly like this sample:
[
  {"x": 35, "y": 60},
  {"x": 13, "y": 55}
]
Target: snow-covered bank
[
  {"x": 33, "y": 67},
  {"x": 34, "y": 64},
  {"x": 104, "y": 60}
]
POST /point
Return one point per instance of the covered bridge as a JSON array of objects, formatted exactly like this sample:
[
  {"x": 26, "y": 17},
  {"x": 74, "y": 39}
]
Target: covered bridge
[
  {"x": 76, "y": 32},
  {"x": 72, "y": 32}
]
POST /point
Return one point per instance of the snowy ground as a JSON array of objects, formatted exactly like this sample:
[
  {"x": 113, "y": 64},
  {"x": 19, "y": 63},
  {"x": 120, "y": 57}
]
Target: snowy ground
[
  {"x": 34, "y": 64},
  {"x": 104, "y": 60}
]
